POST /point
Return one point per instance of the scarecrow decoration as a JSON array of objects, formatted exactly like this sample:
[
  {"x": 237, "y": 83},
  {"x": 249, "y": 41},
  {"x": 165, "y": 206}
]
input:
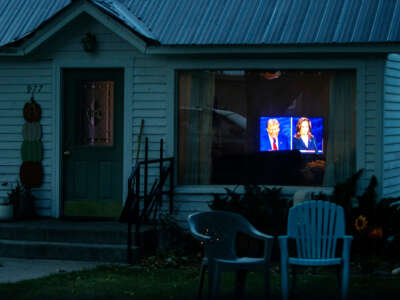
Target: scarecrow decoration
[{"x": 31, "y": 171}]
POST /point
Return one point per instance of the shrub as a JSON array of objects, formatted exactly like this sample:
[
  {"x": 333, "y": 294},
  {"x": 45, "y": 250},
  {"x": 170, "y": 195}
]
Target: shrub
[{"x": 265, "y": 208}]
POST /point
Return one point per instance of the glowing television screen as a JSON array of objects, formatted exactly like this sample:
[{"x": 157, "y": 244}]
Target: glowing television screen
[{"x": 291, "y": 133}]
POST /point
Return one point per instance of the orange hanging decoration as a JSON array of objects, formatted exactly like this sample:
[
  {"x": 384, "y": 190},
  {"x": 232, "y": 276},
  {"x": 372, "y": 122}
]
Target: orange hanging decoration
[
  {"x": 32, "y": 111},
  {"x": 31, "y": 174}
]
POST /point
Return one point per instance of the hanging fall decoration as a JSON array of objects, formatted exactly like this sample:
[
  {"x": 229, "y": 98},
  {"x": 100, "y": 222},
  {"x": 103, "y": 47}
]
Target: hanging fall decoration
[
  {"x": 31, "y": 151},
  {"x": 31, "y": 174},
  {"x": 31, "y": 131},
  {"x": 32, "y": 111},
  {"x": 31, "y": 171}
]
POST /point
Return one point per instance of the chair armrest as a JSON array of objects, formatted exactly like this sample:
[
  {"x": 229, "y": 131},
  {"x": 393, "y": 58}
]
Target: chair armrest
[
  {"x": 259, "y": 235},
  {"x": 198, "y": 235},
  {"x": 268, "y": 240},
  {"x": 253, "y": 232}
]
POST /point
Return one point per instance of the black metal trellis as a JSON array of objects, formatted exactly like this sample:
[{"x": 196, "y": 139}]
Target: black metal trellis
[{"x": 151, "y": 201}]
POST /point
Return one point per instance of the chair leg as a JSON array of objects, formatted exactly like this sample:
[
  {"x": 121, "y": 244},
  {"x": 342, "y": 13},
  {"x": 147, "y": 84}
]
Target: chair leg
[
  {"x": 214, "y": 277},
  {"x": 339, "y": 280},
  {"x": 201, "y": 283},
  {"x": 240, "y": 283},
  {"x": 267, "y": 283},
  {"x": 345, "y": 280},
  {"x": 294, "y": 273},
  {"x": 284, "y": 279}
]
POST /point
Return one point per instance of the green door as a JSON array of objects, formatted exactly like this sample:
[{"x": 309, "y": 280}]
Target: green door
[{"x": 92, "y": 142}]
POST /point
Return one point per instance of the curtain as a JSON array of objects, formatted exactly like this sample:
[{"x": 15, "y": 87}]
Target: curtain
[
  {"x": 340, "y": 156},
  {"x": 196, "y": 101}
]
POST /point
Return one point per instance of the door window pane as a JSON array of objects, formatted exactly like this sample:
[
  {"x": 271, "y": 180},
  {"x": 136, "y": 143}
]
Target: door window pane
[{"x": 96, "y": 113}]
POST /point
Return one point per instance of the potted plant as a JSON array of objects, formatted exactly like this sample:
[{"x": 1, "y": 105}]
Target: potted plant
[
  {"x": 19, "y": 203},
  {"x": 7, "y": 204}
]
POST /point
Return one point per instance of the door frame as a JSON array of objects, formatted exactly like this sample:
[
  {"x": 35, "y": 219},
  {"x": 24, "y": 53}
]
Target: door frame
[{"x": 126, "y": 66}]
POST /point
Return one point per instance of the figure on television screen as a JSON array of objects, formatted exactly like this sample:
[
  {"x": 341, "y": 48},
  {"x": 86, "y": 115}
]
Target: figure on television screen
[
  {"x": 274, "y": 140},
  {"x": 303, "y": 139}
]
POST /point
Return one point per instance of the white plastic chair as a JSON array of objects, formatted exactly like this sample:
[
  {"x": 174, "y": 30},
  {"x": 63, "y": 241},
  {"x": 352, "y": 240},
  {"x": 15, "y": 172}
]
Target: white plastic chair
[
  {"x": 316, "y": 227},
  {"x": 218, "y": 231}
]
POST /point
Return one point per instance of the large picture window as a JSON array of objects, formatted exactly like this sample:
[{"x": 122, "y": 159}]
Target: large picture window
[{"x": 278, "y": 127}]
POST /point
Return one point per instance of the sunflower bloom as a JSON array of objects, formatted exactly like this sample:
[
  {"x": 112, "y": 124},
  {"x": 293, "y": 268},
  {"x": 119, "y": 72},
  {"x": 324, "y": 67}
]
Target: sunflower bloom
[{"x": 360, "y": 223}]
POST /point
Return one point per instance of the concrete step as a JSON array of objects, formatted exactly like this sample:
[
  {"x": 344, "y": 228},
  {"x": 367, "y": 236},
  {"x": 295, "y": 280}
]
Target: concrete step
[
  {"x": 72, "y": 240},
  {"x": 68, "y": 231},
  {"x": 66, "y": 251}
]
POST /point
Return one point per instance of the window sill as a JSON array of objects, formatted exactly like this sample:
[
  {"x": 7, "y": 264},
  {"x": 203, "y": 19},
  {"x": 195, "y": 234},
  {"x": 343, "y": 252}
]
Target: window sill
[{"x": 220, "y": 189}]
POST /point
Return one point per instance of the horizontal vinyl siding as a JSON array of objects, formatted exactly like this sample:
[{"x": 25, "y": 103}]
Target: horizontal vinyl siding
[
  {"x": 372, "y": 100},
  {"x": 14, "y": 78},
  {"x": 391, "y": 129},
  {"x": 150, "y": 103}
]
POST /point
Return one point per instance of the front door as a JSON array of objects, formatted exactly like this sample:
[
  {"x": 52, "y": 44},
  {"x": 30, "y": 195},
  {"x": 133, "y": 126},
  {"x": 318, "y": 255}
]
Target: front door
[{"x": 92, "y": 142}]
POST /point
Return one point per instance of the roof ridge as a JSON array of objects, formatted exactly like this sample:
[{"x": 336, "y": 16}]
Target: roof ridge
[{"x": 120, "y": 11}]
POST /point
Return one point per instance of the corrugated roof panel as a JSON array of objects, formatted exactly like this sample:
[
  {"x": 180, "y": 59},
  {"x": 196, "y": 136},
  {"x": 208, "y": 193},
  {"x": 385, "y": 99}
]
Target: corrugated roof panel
[
  {"x": 295, "y": 21},
  {"x": 394, "y": 29},
  {"x": 330, "y": 21},
  {"x": 278, "y": 21},
  {"x": 193, "y": 27},
  {"x": 351, "y": 11},
  {"x": 227, "y": 22},
  {"x": 20, "y": 18},
  {"x": 162, "y": 14},
  {"x": 183, "y": 7},
  {"x": 312, "y": 20},
  {"x": 384, "y": 17},
  {"x": 202, "y": 28},
  {"x": 182, "y": 32},
  {"x": 267, "y": 7},
  {"x": 251, "y": 33},
  {"x": 206, "y": 29},
  {"x": 226, "y": 15},
  {"x": 365, "y": 21},
  {"x": 220, "y": 32},
  {"x": 240, "y": 24}
]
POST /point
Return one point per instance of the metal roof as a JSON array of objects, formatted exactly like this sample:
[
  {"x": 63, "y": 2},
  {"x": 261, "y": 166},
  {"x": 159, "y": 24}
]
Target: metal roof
[
  {"x": 18, "y": 18},
  {"x": 227, "y": 22}
]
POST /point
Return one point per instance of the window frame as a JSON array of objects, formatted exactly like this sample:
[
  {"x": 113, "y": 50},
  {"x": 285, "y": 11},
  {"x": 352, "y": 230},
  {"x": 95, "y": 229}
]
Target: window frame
[{"x": 357, "y": 65}]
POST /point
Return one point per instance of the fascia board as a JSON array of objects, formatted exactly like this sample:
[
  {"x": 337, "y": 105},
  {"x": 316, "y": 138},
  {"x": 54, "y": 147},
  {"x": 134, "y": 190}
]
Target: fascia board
[{"x": 272, "y": 49}]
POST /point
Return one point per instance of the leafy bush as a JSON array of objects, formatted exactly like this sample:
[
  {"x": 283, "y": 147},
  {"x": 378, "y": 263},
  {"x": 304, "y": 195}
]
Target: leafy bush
[
  {"x": 265, "y": 208},
  {"x": 375, "y": 224}
]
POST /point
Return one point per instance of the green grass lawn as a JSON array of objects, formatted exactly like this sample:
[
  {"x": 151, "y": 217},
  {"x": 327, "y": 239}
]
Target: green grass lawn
[{"x": 120, "y": 282}]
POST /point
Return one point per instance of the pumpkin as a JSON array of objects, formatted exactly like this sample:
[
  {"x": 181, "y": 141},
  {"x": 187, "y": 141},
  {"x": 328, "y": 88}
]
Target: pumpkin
[
  {"x": 32, "y": 131},
  {"x": 31, "y": 151},
  {"x": 32, "y": 111},
  {"x": 375, "y": 233},
  {"x": 31, "y": 174}
]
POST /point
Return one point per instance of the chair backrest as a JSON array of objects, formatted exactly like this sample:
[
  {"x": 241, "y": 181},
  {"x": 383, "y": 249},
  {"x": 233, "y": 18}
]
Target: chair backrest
[
  {"x": 223, "y": 227},
  {"x": 316, "y": 226}
]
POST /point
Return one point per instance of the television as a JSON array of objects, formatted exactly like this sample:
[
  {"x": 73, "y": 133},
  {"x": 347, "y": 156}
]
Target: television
[{"x": 291, "y": 133}]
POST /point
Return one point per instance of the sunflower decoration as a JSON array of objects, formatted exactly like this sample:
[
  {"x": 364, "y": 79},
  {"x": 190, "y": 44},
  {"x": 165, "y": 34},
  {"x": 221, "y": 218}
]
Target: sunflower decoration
[{"x": 360, "y": 223}]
